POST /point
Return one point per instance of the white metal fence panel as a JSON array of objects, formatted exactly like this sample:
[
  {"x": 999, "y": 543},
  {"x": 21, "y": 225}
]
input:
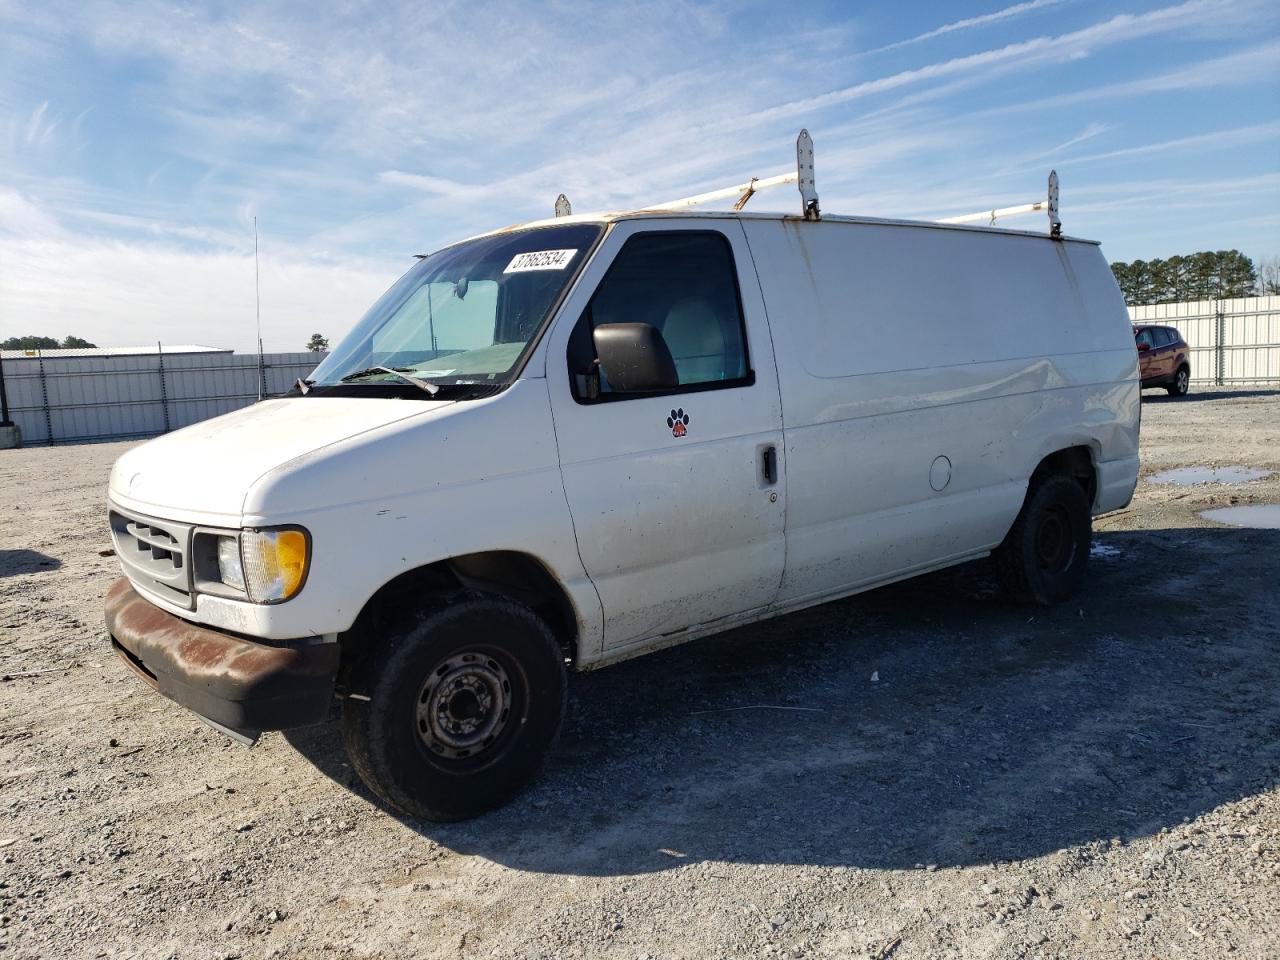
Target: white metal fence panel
[
  {"x": 75, "y": 399},
  {"x": 1251, "y": 339},
  {"x": 1232, "y": 341}
]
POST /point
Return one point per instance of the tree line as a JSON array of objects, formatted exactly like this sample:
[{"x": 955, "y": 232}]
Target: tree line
[
  {"x": 317, "y": 343},
  {"x": 46, "y": 343},
  {"x": 1207, "y": 275}
]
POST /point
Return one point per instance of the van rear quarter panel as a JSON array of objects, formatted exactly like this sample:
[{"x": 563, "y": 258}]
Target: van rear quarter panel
[{"x": 899, "y": 344}]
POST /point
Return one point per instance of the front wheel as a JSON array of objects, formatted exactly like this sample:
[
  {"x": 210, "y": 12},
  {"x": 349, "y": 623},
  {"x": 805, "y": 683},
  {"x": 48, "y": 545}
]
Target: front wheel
[
  {"x": 1042, "y": 559},
  {"x": 453, "y": 711},
  {"x": 1181, "y": 383}
]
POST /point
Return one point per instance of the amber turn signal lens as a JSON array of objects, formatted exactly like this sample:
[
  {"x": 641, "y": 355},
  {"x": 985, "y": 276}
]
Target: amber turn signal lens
[{"x": 275, "y": 563}]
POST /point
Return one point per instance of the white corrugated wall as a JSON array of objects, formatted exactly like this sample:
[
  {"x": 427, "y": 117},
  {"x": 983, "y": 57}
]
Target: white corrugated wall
[
  {"x": 1232, "y": 341},
  {"x": 74, "y": 399}
]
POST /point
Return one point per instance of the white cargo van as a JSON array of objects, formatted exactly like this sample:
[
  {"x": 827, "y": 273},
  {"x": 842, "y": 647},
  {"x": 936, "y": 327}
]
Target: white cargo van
[{"x": 562, "y": 444}]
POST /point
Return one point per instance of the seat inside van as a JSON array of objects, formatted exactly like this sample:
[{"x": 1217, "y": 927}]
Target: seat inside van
[
  {"x": 684, "y": 285},
  {"x": 693, "y": 335}
]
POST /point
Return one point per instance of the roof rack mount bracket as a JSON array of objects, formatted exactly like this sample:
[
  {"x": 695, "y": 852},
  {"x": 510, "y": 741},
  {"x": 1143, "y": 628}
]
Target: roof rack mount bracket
[
  {"x": 1055, "y": 221},
  {"x": 804, "y": 176}
]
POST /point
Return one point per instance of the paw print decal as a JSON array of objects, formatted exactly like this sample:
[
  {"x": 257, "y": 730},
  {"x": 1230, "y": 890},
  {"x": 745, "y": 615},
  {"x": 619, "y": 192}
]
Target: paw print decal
[{"x": 678, "y": 422}]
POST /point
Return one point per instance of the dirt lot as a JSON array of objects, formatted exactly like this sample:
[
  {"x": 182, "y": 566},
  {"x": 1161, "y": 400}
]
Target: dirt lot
[{"x": 923, "y": 771}]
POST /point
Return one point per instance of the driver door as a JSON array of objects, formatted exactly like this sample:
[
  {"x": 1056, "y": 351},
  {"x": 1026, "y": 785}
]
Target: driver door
[{"x": 678, "y": 496}]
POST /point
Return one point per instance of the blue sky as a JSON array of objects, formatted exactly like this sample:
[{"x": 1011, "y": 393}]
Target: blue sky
[{"x": 139, "y": 140}]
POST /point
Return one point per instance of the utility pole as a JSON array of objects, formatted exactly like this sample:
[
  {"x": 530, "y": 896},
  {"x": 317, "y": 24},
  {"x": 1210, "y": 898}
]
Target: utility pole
[
  {"x": 4, "y": 400},
  {"x": 257, "y": 307}
]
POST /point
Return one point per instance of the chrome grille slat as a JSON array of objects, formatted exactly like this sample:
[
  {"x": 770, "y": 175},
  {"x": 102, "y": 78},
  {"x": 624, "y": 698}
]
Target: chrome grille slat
[{"x": 154, "y": 554}]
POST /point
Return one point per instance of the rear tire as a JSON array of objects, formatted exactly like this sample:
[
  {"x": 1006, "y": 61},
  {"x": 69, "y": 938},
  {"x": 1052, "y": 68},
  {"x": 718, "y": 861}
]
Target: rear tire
[
  {"x": 465, "y": 700},
  {"x": 1181, "y": 383},
  {"x": 1043, "y": 558}
]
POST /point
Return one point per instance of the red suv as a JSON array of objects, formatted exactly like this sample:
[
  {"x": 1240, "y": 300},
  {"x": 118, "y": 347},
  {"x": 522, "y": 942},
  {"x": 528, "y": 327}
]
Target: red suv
[{"x": 1164, "y": 359}]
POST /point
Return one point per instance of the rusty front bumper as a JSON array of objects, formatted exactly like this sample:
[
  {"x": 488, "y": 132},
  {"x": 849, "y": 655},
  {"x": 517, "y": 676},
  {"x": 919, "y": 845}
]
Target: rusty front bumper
[{"x": 235, "y": 682}]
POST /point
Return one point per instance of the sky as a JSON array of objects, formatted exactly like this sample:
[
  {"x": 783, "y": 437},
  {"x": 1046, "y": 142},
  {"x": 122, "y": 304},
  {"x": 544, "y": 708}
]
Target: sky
[{"x": 138, "y": 141}]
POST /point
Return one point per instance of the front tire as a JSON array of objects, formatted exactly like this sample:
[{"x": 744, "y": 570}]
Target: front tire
[
  {"x": 1043, "y": 558},
  {"x": 1181, "y": 383},
  {"x": 464, "y": 701}
]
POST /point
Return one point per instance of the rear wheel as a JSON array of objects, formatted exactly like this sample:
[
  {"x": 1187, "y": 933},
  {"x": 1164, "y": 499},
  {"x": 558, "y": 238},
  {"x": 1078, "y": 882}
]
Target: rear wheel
[
  {"x": 1043, "y": 558},
  {"x": 1181, "y": 383},
  {"x": 465, "y": 699}
]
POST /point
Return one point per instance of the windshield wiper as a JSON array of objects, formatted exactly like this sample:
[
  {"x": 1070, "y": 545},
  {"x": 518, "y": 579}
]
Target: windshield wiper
[{"x": 403, "y": 374}]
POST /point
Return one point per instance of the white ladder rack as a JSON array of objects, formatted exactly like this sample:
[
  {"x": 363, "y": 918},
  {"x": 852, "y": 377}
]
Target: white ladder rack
[
  {"x": 1049, "y": 204},
  {"x": 803, "y": 177}
]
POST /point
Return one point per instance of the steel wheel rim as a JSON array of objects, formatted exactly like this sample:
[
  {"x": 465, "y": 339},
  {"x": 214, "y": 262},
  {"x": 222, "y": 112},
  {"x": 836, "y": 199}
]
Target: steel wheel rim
[
  {"x": 463, "y": 705},
  {"x": 1054, "y": 544}
]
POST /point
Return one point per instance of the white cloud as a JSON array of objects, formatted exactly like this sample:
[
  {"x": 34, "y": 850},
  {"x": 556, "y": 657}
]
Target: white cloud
[
  {"x": 1088, "y": 133},
  {"x": 39, "y": 130},
  {"x": 56, "y": 281},
  {"x": 1213, "y": 140},
  {"x": 1025, "y": 54},
  {"x": 1008, "y": 13},
  {"x": 435, "y": 186},
  {"x": 21, "y": 217}
]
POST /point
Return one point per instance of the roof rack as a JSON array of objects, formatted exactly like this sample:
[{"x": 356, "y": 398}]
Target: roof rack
[
  {"x": 1050, "y": 204},
  {"x": 803, "y": 178}
]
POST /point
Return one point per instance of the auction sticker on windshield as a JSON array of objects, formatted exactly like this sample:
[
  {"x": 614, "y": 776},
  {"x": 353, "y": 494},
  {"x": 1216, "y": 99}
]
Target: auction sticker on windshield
[{"x": 540, "y": 260}]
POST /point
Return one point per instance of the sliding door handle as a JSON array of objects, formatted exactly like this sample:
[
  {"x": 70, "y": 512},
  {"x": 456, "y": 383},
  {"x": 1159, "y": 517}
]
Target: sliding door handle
[{"x": 769, "y": 462}]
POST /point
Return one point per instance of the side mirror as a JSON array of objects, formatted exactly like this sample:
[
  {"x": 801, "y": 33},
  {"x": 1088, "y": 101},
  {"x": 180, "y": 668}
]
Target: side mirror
[
  {"x": 635, "y": 358},
  {"x": 1144, "y": 347}
]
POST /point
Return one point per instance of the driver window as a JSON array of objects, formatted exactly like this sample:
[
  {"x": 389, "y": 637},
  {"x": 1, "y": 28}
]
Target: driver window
[
  {"x": 1143, "y": 338},
  {"x": 684, "y": 285}
]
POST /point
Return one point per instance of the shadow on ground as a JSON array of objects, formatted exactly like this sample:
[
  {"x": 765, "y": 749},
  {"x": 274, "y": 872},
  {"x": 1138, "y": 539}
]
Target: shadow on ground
[
  {"x": 1150, "y": 395},
  {"x": 15, "y": 562},
  {"x": 991, "y": 733}
]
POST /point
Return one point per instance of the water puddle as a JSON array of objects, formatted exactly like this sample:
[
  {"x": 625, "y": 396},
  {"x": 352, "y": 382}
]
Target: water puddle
[
  {"x": 1190, "y": 476},
  {"x": 1263, "y": 517},
  {"x": 1097, "y": 549}
]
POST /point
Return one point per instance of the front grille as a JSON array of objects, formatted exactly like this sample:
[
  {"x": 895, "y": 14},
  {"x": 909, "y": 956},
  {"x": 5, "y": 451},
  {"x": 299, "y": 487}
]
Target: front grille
[{"x": 153, "y": 553}]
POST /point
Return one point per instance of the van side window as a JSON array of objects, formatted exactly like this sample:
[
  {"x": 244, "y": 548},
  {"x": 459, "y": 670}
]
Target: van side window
[{"x": 684, "y": 285}]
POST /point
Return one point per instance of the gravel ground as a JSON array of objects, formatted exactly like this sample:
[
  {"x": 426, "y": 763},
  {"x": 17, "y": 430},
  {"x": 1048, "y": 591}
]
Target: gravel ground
[{"x": 922, "y": 771}]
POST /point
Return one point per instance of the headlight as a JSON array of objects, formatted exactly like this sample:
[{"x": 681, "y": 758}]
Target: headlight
[
  {"x": 230, "y": 571},
  {"x": 274, "y": 563}
]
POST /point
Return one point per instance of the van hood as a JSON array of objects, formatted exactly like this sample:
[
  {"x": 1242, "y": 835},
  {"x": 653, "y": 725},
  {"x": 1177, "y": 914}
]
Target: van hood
[{"x": 203, "y": 473}]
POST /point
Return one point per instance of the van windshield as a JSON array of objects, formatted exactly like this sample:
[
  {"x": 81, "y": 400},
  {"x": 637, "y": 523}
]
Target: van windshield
[{"x": 464, "y": 316}]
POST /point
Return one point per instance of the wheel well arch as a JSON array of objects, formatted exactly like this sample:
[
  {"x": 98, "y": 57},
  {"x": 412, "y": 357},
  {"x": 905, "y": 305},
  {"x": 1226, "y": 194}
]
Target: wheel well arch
[
  {"x": 510, "y": 573},
  {"x": 1077, "y": 462}
]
